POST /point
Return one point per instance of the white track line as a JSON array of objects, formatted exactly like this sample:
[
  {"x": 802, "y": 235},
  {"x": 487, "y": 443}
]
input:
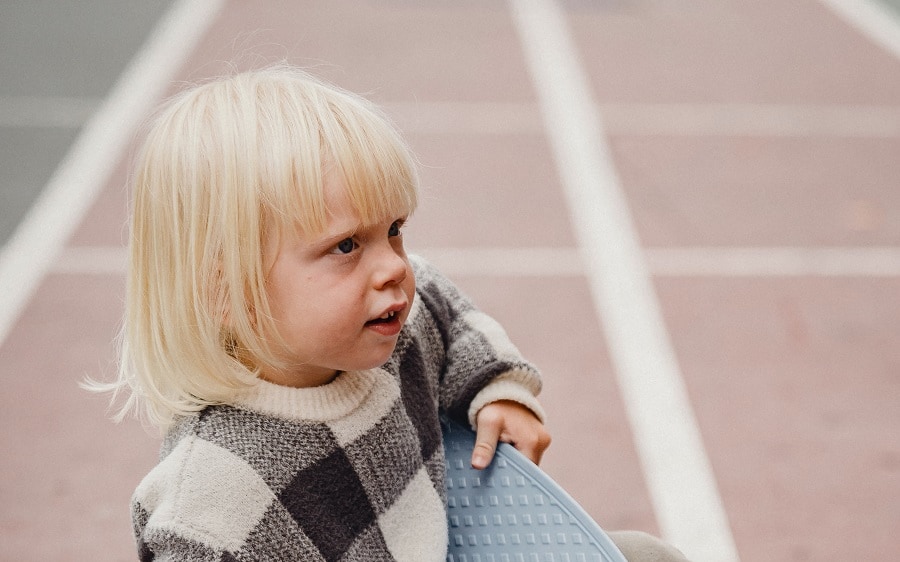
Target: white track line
[
  {"x": 91, "y": 260},
  {"x": 879, "y": 261},
  {"x": 775, "y": 262},
  {"x": 738, "y": 119},
  {"x": 35, "y": 244},
  {"x": 676, "y": 467},
  {"x": 875, "y": 20},
  {"x": 760, "y": 120},
  {"x": 480, "y": 118},
  {"x": 506, "y": 262}
]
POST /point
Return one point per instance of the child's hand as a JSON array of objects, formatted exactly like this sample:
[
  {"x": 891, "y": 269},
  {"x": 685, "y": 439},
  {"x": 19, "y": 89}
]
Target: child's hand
[{"x": 509, "y": 422}]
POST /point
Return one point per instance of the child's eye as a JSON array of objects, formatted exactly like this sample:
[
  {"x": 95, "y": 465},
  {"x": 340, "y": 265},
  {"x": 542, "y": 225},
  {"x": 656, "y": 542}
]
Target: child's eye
[
  {"x": 394, "y": 230},
  {"x": 345, "y": 246}
]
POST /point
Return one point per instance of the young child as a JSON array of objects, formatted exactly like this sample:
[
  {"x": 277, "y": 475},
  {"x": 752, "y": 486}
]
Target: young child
[{"x": 294, "y": 355}]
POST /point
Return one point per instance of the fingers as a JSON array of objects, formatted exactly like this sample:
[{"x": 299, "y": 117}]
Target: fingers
[
  {"x": 534, "y": 445},
  {"x": 485, "y": 443},
  {"x": 509, "y": 422}
]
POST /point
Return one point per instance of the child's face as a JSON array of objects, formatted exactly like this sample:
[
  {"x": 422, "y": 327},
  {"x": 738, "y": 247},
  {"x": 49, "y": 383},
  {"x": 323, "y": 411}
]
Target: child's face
[{"x": 340, "y": 298}]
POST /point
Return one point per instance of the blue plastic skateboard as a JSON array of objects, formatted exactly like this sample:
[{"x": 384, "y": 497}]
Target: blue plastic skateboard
[{"x": 512, "y": 511}]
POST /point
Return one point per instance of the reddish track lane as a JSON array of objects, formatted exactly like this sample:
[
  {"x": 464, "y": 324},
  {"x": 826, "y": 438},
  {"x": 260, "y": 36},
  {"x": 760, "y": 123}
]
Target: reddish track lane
[{"x": 731, "y": 125}]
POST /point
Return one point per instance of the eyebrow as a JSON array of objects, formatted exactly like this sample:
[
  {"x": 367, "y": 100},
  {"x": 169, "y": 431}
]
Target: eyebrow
[{"x": 328, "y": 239}]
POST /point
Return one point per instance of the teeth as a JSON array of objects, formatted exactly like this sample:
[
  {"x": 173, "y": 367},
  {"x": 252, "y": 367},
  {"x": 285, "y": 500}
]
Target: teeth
[{"x": 388, "y": 316}]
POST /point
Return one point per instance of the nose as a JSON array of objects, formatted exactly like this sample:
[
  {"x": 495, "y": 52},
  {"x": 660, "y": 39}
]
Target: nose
[{"x": 391, "y": 267}]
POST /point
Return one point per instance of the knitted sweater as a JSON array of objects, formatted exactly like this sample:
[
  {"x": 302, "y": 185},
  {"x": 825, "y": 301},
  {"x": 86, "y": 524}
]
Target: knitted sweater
[{"x": 350, "y": 471}]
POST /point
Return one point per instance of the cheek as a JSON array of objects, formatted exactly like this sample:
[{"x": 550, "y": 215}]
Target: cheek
[
  {"x": 291, "y": 301},
  {"x": 409, "y": 284}
]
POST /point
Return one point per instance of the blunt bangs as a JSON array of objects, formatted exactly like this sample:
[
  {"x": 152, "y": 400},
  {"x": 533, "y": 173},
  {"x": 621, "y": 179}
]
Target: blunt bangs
[{"x": 311, "y": 131}]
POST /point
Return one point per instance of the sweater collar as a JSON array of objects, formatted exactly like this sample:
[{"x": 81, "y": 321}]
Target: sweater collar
[{"x": 325, "y": 403}]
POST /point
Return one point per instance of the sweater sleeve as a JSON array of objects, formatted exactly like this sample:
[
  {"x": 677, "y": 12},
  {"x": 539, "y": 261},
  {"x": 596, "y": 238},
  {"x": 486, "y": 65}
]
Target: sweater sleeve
[{"x": 481, "y": 363}]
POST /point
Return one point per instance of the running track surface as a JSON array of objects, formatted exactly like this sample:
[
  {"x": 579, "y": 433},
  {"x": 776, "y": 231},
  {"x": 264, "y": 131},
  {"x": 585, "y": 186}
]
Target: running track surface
[{"x": 688, "y": 216}]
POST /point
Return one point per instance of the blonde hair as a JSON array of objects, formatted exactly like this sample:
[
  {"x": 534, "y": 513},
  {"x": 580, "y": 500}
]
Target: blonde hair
[{"x": 224, "y": 165}]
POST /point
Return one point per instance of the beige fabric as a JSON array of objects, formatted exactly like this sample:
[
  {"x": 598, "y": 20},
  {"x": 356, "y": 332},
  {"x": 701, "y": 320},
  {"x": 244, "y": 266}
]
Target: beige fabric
[{"x": 641, "y": 547}]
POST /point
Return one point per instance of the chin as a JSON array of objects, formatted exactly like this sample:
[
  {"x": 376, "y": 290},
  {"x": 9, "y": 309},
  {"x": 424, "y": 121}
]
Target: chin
[{"x": 366, "y": 365}]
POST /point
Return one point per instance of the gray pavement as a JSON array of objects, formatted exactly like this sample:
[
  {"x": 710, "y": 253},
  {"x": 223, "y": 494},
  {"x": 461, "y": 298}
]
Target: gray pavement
[{"x": 57, "y": 62}]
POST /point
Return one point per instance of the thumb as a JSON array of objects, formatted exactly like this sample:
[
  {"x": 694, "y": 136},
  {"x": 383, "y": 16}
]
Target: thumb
[{"x": 486, "y": 438}]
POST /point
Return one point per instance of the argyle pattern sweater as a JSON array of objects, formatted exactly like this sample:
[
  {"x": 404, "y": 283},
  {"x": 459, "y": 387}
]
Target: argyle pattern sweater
[{"x": 349, "y": 471}]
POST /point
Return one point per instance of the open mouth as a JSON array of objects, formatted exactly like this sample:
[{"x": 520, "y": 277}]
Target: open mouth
[{"x": 387, "y": 318}]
